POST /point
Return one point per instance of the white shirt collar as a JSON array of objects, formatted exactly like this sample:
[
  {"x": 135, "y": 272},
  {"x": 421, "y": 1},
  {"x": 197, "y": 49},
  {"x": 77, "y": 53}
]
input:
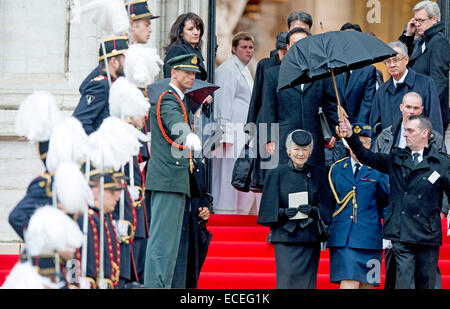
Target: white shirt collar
[
  {"x": 402, "y": 139},
  {"x": 420, "y": 152},
  {"x": 401, "y": 80},
  {"x": 179, "y": 92},
  {"x": 353, "y": 164}
]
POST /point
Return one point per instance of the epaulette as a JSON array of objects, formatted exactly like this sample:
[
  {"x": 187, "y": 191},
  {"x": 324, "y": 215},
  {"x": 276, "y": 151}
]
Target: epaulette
[
  {"x": 46, "y": 183},
  {"x": 337, "y": 162},
  {"x": 98, "y": 78}
]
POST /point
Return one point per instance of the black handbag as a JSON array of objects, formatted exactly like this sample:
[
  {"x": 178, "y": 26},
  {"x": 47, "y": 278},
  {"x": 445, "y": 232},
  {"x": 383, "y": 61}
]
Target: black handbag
[
  {"x": 242, "y": 170},
  {"x": 322, "y": 229},
  {"x": 326, "y": 131}
]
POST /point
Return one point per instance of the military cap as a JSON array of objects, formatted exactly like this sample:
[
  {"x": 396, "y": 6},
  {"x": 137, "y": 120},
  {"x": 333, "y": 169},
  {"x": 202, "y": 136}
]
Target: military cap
[
  {"x": 109, "y": 176},
  {"x": 114, "y": 46},
  {"x": 301, "y": 137},
  {"x": 281, "y": 40},
  {"x": 187, "y": 62},
  {"x": 43, "y": 149},
  {"x": 362, "y": 129},
  {"x": 139, "y": 10}
]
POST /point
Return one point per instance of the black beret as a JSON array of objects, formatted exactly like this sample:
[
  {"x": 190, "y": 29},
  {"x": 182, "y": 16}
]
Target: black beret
[{"x": 301, "y": 137}]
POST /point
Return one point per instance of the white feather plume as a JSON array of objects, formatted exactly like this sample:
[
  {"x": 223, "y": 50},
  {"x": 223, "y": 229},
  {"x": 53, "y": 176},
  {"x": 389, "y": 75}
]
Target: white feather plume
[
  {"x": 50, "y": 230},
  {"x": 142, "y": 64},
  {"x": 111, "y": 15},
  {"x": 126, "y": 100},
  {"x": 68, "y": 142},
  {"x": 26, "y": 276},
  {"x": 116, "y": 143},
  {"x": 37, "y": 115},
  {"x": 72, "y": 189}
]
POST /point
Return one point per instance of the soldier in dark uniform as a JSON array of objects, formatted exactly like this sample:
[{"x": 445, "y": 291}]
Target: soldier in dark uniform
[
  {"x": 168, "y": 172},
  {"x": 140, "y": 22},
  {"x": 296, "y": 240},
  {"x": 93, "y": 106},
  {"x": 111, "y": 264}
]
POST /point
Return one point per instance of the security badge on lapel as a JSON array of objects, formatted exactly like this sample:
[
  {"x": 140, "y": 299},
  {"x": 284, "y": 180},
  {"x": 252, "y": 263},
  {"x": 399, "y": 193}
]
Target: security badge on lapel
[{"x": 433, "y": 177}]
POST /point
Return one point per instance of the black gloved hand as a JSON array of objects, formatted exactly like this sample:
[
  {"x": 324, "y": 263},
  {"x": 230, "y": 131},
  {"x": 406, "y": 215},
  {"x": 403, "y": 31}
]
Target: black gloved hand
[
  {"x": 287, "y": 212},
  {"x": 309, "y": 210}
]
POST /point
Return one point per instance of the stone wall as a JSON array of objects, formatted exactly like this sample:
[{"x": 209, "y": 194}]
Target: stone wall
[{"x": 41, "y": 50}]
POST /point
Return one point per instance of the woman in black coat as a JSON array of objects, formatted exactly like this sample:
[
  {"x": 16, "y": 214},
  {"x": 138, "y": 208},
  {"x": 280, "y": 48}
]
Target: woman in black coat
[
  {"x": 186, "y": 38},
  {"x": 296, "y": 241}
]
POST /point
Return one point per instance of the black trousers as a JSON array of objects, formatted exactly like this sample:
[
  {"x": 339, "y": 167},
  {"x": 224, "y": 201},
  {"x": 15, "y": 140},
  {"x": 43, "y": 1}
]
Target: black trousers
[
  {"x": 390, "y": 273},
  {"x": 296, "y": 265},
  {"x": 416, "y": 265}
]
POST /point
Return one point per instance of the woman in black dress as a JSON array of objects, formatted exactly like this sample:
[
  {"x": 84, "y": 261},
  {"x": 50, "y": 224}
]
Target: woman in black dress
[{"x": 296, "y": 241}]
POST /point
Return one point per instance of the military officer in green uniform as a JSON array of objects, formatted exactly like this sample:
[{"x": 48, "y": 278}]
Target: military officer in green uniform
[{"x": 173, "y": 143}]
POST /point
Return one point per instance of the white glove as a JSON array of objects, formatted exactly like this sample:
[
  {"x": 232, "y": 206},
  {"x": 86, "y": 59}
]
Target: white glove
[
  {"x": 85, "y": 284},
  {"x": 193, "y": 142},
  {"x": 387, "y": 244},
  {"x": 134, "y": 192}
]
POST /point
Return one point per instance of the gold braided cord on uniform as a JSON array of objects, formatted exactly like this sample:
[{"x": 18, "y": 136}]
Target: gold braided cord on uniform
[{"x": 350, "y": 196}]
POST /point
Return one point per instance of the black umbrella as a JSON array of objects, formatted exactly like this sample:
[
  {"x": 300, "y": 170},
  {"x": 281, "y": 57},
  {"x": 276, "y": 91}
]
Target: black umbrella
[{"x": 326, "y": 54}]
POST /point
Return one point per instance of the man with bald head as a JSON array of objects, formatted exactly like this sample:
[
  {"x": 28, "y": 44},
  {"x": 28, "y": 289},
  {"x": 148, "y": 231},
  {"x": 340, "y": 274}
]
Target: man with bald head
[{"x": 392, "y": 136}]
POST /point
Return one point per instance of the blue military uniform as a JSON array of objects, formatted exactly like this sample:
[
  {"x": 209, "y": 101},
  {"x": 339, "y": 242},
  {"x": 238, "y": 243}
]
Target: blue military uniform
[
  {"x": 356, "y": 241},
  {"x": 39, "y": 193},
  {"x": 112, "y": 248},
  {"x": 93, "y": 106}
]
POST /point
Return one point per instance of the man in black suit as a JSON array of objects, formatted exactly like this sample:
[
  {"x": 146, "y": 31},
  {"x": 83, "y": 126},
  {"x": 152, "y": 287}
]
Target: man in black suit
[{"x": 296, "y": 108}]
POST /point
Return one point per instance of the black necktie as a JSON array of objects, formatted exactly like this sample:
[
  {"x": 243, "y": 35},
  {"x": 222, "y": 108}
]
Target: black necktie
[
  {"x": 416, "y": 158},
  {"x": 357, "y": 166}
]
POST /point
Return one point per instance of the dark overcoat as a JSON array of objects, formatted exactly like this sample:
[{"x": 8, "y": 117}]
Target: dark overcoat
[
  {"x": 413, "y": 214},
  {"x": 294, "y": 108},
  {"x": 278, "y": 184},
  {"x": 254, "y": 116},
  {"x": 387, "y": 100},
  {"x": 195, "y": 238},
  {"x": 184, "y": 48},
  {"x": 357, "y": 96},
  {"x": 434, "y": 62}
]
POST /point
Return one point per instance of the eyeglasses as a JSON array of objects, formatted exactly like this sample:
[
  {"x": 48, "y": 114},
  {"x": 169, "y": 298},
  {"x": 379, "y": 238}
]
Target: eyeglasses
[
  {"x": 420, "y": 20},
  {"x": 394, "y": 60}
]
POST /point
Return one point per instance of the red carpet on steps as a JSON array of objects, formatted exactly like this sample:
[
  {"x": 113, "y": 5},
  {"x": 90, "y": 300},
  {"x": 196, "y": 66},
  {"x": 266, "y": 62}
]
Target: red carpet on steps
[{"x": 240, "y": 258}]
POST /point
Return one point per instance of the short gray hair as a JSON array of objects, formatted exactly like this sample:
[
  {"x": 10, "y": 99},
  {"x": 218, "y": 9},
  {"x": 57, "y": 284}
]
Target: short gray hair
[
  {"x": 400, "y": 45},
  {"x": 432, "y": 9},
  {"x": 289, "y": 140}
]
